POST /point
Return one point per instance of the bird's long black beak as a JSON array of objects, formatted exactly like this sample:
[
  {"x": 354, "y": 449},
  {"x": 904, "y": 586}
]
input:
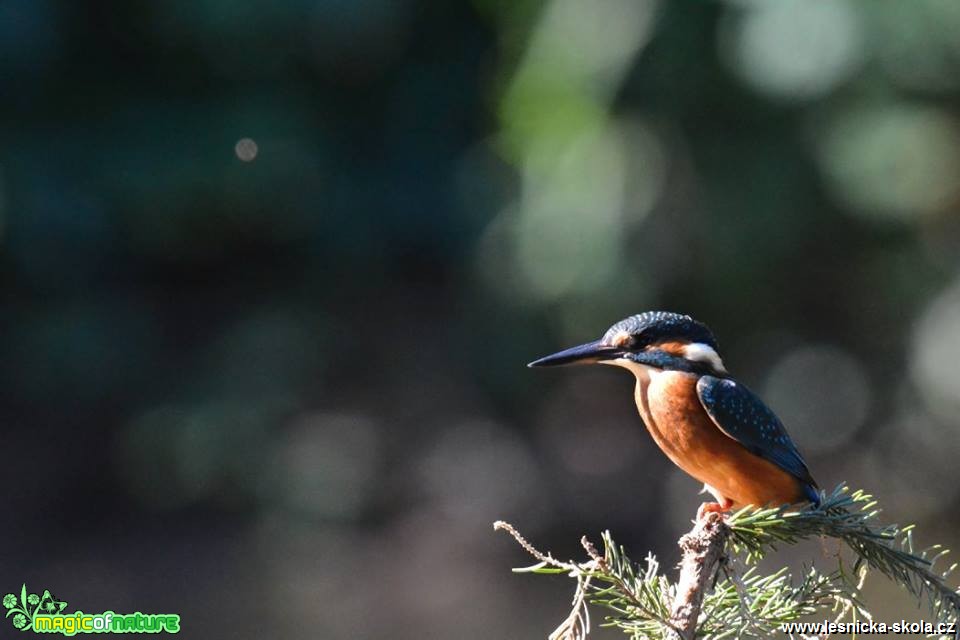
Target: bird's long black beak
[{"x": 584, "y": 354}]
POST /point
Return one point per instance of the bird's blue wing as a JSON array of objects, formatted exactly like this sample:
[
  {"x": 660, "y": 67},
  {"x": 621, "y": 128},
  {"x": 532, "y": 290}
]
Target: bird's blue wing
[{"x": 740, "y": 414}]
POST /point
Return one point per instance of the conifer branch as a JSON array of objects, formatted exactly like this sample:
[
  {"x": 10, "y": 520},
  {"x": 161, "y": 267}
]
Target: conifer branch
[
  {"x": 646, "y": 604},
  {"x": 851, "y": 517},
  {"x": 703, "y": 550}
]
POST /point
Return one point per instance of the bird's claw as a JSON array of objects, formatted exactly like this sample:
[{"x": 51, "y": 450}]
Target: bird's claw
[{"x": 713, "y": 507}]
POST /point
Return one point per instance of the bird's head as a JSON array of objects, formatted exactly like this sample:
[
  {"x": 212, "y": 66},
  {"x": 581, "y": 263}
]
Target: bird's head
[{"x": 655, "y": 340}]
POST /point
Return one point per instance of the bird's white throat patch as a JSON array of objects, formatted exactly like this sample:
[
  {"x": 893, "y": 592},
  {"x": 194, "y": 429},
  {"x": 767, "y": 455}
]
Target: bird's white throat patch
[
  {"x": 700, "y": 352},
  {"x": 641, "y": 371}
]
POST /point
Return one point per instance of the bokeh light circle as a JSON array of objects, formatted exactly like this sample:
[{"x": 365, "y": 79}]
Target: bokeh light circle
[
  {"x": 821, "y": 394},
  {"x": 246, "y": 149},
  {"x": 793, "y": 49},
  {"x": 895, "y": 161},
  {"x": 935, "y": 354}
]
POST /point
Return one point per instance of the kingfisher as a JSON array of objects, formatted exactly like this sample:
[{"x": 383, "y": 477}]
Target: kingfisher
[{"x": 711, "y": 426}]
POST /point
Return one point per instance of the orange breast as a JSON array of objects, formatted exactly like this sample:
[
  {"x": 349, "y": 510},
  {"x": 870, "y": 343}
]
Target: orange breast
[{"x": 680, "y": 426}]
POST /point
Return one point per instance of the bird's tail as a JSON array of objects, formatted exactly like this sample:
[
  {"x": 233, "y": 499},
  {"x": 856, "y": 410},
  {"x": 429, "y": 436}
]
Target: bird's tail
[{"x": 812, "y": 493}]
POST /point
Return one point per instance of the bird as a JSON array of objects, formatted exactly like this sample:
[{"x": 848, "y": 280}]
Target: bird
[{"x": 707, "y": 423}]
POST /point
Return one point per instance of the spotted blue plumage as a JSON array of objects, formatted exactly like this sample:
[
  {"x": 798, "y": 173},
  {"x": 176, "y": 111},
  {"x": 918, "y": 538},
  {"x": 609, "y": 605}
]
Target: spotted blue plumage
[
  {"x": 740, "y": 414},
  {"x": 652, "y": 326}
]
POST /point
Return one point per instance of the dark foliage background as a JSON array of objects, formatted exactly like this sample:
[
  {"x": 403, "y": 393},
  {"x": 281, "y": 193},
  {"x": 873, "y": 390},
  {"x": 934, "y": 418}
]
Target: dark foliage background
[{"x": 280, "y": 390}]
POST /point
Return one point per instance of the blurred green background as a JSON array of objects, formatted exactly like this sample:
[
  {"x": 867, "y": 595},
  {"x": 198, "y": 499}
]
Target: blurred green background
[{"x": 271, "y": 272}]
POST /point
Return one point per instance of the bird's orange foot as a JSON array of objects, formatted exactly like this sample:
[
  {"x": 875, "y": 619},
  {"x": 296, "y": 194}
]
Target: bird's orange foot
[{"x": 713, "y": 507}]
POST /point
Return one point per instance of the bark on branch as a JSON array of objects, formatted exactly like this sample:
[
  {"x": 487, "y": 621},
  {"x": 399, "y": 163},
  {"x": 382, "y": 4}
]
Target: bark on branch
[{"x": 702, "y": 551}]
